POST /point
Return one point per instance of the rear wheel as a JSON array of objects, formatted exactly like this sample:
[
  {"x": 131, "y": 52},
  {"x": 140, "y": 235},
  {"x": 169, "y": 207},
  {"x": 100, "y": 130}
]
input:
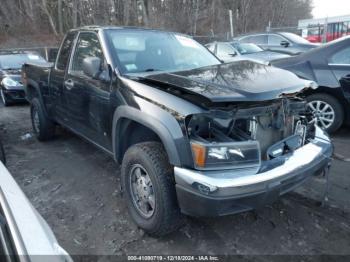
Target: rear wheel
[
  {"x": 327, "y": 110},
  {"x": 43, "y": 127},
  {"x": 149, "y": 189}
]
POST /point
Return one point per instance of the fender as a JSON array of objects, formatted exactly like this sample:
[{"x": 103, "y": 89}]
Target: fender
[
  {"x": 168, "y": 129},
  {"x": 36, "y": 87}
]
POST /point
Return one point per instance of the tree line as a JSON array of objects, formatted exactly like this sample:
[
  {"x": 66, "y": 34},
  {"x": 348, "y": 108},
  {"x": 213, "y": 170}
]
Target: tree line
[{"x": 194, "y": 17}]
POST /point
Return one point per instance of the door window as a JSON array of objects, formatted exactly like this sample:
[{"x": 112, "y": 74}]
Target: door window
[
  {"x": 275, "y": 40},
  {"x": 224, "y": 50},
  {"x": 256, "y": 39},
  {"x": 63, "y": 56},
  {"x": 88, "y": 45},
  {"x": 341, "y": 57}
]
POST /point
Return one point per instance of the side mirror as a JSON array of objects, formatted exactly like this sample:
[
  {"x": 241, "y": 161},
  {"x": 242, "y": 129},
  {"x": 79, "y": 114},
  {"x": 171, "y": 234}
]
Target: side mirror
[
  {"x": 92, "y": 66},
  {"x": 285, "y": 43}
]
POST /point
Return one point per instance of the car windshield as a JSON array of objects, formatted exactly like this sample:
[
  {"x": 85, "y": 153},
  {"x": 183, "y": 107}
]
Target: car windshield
[
  {"x": 151, "y": 51},
  {"x": 295, "y": 38},
  {"x": 15, "y": 61},
  {"x": 245, "y": 49}
]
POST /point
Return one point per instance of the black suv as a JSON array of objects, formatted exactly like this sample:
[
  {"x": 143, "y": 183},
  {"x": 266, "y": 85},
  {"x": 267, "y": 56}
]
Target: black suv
[
  {"x": 282, "y": 42},
  {"x": 194, "y": 136}
]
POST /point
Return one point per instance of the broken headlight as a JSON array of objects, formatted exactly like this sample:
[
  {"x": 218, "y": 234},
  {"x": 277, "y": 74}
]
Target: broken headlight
[{"x": 230, "y": 155}]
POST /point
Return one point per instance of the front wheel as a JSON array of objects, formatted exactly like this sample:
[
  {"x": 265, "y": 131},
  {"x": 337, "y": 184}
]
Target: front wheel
[
  {"x": 327, "y": 110},
  {"x": 149, "y": 189}
]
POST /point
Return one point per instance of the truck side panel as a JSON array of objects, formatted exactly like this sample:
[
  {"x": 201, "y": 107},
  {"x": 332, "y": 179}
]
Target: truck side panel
[{"x": 36, "y": 81}]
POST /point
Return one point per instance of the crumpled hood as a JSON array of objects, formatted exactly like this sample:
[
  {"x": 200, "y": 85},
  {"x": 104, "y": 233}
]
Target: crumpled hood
[{"x": 232, "y": 82}]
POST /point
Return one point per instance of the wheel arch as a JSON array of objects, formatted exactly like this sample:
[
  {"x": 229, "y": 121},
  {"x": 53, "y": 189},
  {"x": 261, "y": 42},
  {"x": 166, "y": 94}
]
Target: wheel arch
[
  {"x": 32, "y": 90},
  {"x": 142, "y": 127},
  {"x": 337, "y": 93}
]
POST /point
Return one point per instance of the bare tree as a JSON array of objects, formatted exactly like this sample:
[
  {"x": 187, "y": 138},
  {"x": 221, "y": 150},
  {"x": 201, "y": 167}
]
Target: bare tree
[
  {"x": 59, "y": 16},
  {"x": 201, "y": 17},
  {"x": 44, "y": 7}
]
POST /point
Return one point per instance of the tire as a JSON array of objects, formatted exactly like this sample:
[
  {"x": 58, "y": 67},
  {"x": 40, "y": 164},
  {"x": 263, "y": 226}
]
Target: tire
[
  {"x": 2, "y": 154},
  {"x": 334, "y": 107},
  {"x": 43, "y": 127},
  {"x": 4, "y": 98},
  {"x": 165, "y": 216}
]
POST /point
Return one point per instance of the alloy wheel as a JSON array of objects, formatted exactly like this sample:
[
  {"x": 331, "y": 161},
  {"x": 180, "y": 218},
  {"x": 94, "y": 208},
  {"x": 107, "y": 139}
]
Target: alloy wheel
[
  {"x": 141, "y": 189},
  {"x": 324, "y": 114}
]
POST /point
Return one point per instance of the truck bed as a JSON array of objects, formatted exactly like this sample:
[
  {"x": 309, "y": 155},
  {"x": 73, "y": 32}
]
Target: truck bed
[{"x": 37, "y": 75}]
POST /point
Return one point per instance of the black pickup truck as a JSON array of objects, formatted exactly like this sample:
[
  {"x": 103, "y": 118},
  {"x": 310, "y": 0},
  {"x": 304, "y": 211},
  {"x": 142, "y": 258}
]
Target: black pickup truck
[{"x": 194, "y": 136}]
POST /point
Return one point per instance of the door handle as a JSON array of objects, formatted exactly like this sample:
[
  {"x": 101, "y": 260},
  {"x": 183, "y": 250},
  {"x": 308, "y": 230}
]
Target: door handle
[{"x": 69, "y": 84}]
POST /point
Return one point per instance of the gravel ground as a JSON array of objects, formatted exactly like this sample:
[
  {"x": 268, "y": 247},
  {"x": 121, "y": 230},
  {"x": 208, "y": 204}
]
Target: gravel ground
[{"x": 75, "y": 187}]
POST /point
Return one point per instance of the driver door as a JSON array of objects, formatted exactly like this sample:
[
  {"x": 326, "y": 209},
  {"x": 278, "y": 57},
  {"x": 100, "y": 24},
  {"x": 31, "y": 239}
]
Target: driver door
[
  {"x": 88, "y": 98},
  {"x": 276, "y": 43}
]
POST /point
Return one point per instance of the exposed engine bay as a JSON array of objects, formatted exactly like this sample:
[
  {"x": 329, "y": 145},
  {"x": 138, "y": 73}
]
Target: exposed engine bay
[{"x": 278, "y": 127}]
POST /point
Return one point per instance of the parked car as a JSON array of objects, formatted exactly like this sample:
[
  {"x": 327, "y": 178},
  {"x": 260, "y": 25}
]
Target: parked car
[
  {"x": 11, "y": 88},
  {"x": 193, "y": 136},
  {"x": 24, "y": 234},
  {"x": 235, "y": 51},
  {"x": 282, "y": 42},
  {"x": 329, "y": 66}
]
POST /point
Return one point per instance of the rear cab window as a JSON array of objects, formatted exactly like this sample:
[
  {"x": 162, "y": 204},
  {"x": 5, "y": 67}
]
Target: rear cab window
[{"x": 64, "y": 53}]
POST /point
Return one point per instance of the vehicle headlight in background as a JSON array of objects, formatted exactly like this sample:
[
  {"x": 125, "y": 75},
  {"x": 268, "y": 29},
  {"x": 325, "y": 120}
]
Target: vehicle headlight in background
[
  {"x": 7, "y": 81},
  {"x": 233, "y": 155}
]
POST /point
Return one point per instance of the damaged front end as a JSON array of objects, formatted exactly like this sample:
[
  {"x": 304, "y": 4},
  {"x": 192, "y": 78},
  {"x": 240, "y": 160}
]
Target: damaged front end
[
  {"x": 248, "y": 155},
  {"x": 248, "y": 135}
]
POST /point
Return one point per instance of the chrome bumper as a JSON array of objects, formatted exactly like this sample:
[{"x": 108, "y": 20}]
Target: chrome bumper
[{"x": 304, "y": 162}]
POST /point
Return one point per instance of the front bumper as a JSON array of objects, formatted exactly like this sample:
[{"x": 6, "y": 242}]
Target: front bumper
[
  {"x": 217, "y": 193},
  {"x": 15, "y": 95}
]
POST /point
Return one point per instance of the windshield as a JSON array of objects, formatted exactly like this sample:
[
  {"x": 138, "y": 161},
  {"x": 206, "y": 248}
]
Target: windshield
[
  {"x": 15, "y": 61},
  {"x": 245, "y": 49},
  {"x": 295, "y": 38},
  {"x": 147, "y": 51}
]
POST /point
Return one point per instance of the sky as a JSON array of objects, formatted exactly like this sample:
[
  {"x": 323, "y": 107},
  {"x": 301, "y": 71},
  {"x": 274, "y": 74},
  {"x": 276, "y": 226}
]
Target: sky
[{"x": 324, "y": 8}]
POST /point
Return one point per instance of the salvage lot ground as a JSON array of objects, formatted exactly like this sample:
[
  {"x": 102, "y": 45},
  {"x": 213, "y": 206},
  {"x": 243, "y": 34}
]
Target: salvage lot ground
[{"x": 75, "y": 187}]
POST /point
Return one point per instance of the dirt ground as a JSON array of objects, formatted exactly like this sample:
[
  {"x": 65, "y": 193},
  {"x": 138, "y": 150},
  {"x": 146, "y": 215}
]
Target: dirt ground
[{"x": 75, "y": 187}]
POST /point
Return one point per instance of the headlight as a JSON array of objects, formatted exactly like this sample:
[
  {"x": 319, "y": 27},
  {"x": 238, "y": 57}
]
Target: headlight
[
  {"x": 7, "y": 81},
  {"x": 226, "y": 155}
]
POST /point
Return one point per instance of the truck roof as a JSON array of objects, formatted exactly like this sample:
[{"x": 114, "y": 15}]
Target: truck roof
[{"x": 99, "y": 28}]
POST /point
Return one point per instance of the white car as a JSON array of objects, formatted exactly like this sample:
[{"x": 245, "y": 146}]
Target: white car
[{"x": 24, "y": 234}]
